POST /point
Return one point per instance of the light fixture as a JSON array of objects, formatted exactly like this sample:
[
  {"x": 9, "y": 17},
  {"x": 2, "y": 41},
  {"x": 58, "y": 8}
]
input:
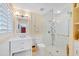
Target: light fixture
[
  {"x": 27, "y": 14},
  {"x": 41, "y": 9},
  {"x": 58, "y": 12},
  {"x": 17, "y": 13}
]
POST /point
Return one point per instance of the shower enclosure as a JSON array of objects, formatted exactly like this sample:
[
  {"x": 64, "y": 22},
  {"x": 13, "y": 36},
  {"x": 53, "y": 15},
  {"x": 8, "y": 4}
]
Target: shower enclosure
[{"x": 57, "y": 31}]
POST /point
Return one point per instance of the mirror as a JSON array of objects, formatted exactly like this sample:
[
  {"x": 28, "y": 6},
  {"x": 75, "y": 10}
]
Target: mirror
[{"x": 23, "y": 22}]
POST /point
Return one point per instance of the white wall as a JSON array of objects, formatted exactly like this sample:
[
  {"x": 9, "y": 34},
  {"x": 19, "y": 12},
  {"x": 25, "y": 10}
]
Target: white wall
[{"x": 36, "y": 27}]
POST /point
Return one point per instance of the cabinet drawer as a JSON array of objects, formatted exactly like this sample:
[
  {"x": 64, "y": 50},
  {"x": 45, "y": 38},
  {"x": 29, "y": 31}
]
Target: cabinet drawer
[{"x": 19, "y": 45}]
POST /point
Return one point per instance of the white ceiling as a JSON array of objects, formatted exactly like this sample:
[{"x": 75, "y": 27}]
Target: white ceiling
[{"x": 35, "y": 7}]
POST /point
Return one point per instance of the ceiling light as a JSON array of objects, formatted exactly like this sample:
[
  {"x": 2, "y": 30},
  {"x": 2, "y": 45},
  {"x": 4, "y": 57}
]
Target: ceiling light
[
  {"x": 27, "y": 14},
  {"x": 41, "y": 9},
  {"x": 17, "y": 13},
  {"x": 58, "y": 12}
]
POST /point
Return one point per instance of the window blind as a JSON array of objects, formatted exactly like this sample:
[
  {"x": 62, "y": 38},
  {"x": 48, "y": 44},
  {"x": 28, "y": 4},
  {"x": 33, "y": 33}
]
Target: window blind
[{"x": 6, "y": 18}]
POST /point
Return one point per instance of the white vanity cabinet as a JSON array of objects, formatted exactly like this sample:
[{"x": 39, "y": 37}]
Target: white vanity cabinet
[
  {"x": 21, "y": 47},
  {"x": 16, "y": 47}
]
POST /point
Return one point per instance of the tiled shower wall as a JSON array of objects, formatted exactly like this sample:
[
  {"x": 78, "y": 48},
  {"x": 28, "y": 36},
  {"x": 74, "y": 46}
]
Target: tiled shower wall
[{"x": 57, "y": 31}]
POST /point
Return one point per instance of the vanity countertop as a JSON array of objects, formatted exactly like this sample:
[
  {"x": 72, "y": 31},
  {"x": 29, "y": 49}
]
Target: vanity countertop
[{"x": 20, "y": 37}]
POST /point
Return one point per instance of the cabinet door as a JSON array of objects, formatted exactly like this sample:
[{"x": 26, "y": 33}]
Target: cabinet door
[
  {"x": 20, "y": 45},
  {"x": 27, "y": 44},
  {"x": 29, "y": 53},
  {"x": 17, "y": 45}
]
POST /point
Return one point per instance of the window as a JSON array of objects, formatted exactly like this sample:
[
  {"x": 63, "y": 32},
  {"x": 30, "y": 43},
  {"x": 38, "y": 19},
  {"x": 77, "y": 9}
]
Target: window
[{"x": 6, "y": 19}]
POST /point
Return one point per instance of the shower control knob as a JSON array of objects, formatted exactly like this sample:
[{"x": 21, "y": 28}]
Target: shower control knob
[{"x": 48, "y": 31}]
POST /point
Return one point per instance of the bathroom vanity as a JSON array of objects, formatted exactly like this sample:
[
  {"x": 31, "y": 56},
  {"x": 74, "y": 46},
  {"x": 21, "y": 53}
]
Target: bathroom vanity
[
  {"x": 18, "y": 46},
  {"x": 21, "y": 45}
]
